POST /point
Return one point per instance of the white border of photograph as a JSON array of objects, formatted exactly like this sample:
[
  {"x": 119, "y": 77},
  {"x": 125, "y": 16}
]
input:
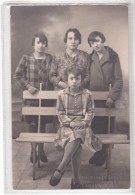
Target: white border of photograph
[{"x": 5, "y": 94}]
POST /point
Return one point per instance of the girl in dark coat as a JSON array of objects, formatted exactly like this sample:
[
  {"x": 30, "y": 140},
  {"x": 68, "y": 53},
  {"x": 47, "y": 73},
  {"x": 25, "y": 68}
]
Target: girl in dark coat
[{"x": 105, "y": 71}]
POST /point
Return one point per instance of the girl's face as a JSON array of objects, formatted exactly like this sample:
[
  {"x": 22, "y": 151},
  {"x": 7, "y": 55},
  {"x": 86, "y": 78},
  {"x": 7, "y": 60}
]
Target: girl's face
[
  {"x": 97, "y": 45},
  {"x": 39, "y": 46},
  {"x": 72, "y": 42},
  {"x": 74, "y": 82}
]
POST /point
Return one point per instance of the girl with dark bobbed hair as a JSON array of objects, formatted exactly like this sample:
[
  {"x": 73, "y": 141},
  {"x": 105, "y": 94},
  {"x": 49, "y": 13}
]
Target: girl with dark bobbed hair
[
  {"x": 105, "y": 71},
  {"x": 32, "y": 70},
  {"x": 93, "y": 35},
  {"x": 42, "y": 37},
  {"x": 76, "y": 32},
  {"x": 70, "y": 57}
]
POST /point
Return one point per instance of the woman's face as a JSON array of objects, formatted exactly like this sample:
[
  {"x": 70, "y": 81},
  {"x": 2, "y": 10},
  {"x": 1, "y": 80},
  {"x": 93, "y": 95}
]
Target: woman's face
[
  {"x": 72, "y": 42},
  {"x": 74, "y": 82},
  {"x": 39, "y": 46},
  {"x": 97, "y": 45}
]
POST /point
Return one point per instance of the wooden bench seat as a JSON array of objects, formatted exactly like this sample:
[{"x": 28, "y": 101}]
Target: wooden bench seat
[
  {"x": 49, "y": 138},
  {"x": 108, "y": 139}
]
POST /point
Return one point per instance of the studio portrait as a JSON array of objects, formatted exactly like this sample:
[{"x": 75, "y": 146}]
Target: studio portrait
[{"x": 70, "y": 97}]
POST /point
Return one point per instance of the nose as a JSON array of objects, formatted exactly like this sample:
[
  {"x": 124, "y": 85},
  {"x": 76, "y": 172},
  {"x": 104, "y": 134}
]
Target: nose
[
  {"x": 73, "y": 41},
  {"x": 95, "y": 44},
  {"x": 41, "y": 44},
  {"x": 74, "y": 80}
]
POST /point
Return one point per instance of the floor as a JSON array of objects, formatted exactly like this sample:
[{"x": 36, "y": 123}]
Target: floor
[{"x": 91, "y": 176}]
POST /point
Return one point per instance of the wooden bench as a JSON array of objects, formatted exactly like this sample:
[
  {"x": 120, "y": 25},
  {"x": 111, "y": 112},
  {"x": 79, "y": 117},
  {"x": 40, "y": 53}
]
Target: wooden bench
[{"x": 35, "y": 138}]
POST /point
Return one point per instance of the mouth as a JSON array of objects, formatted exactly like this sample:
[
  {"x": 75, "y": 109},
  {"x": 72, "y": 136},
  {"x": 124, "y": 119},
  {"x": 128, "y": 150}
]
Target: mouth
[{"x": 74, "y": 86}]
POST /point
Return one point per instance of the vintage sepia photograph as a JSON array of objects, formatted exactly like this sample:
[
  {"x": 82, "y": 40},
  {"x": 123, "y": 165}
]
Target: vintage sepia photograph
[{"x": 70, "y": 97}]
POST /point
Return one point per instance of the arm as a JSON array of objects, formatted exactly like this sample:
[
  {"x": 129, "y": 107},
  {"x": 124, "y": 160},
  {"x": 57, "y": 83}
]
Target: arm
[
  {"x": 63, "y": 118},
  {"x": 89, "y": 115},
  {"x": 20, "y": 73},
  {"x": 87, "y": 72},
  {"x": 118, "y": 81},
  {"x": 54, "y": 75},
  {"x": 20, "y": 76}
]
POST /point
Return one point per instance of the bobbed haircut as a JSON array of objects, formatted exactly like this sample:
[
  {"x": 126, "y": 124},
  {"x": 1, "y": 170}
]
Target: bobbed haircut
[
  {"x": 75, "y": 71},
  {"x": 76, "y": 32},
  {"x": 92, "y": 37},
  {"x": 42, "y": 38}
]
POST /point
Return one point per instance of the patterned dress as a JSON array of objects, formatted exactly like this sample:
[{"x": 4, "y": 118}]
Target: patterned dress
[
  {"x": 75, "y": 107},
  {"x": 31, "y": 71},
  {"x": 62, "y": 60}
]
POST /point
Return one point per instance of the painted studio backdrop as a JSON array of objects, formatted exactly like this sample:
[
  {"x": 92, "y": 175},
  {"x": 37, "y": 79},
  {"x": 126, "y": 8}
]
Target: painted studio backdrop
[{"x": 111, "y": 20}]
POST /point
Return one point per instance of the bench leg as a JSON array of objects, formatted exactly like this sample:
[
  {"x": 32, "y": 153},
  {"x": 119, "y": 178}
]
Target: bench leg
[
  {"x": 34, "y": 160},
  {"x": 108, "y": 163},
  {"x": 107, "y": 156},
  {"x": 38, "y": 157}
]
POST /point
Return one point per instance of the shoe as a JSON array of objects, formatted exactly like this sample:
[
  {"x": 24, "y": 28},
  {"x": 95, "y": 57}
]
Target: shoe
[
  {"x": 31, "y": 157},
  {"x": 76, "y": 185},
  {"x": 94, "y": 158},
  {"x": 55, "y": 181},
  {"x": 43, "y": 157},
  {"x": 101, "y": 159}
]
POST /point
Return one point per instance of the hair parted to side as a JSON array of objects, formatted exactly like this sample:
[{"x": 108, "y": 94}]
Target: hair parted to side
[
  {"x": 76, "y": 32},
  {"x": 42, "y": 38},
  {"x": 92, "y": 36},
  {"x": 75, "y": 71}
]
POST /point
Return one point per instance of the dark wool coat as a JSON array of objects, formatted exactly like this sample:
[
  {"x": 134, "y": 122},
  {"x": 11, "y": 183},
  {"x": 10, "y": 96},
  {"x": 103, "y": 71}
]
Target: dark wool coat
[
  {"x": 103, "y": 73},
  {"x": 106, "y": 71}
]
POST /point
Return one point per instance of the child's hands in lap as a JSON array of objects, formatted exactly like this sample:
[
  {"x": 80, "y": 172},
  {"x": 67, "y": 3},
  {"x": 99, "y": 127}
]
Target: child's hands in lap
[{"x": 78, "y": 124}]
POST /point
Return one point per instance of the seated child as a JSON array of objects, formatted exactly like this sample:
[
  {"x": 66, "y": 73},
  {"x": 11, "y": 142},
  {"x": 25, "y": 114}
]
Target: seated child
[{"x": 75, "y": 109}]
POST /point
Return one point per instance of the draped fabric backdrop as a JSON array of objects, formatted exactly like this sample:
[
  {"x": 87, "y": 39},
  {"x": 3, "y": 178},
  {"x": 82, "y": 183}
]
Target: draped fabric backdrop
[{"x": 111, "y": 20}]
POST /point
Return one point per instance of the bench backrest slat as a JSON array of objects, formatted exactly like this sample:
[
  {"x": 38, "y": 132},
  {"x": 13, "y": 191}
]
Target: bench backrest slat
[
  {"x": 118, "y": 112},
  {"x": 52, "y": 111},
  {"x": 100, "y": 95}
]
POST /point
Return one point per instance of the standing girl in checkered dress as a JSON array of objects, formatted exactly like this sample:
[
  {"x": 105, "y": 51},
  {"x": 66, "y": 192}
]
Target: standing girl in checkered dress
[
  {"x": 75, "y": 109},
  {"x": 32, "y": 70}
]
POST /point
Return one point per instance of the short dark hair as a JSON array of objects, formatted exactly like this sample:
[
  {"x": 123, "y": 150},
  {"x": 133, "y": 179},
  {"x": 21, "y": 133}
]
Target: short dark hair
[
  {"x": 76, "y": 32},
  {"x": 93, "y": 35},
  {"x": 75, "y": 71},
  {"x": 42, "y": 37}
]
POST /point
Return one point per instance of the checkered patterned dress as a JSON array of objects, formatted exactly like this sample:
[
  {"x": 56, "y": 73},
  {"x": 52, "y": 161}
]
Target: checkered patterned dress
[{"x": 31, "y": 71}]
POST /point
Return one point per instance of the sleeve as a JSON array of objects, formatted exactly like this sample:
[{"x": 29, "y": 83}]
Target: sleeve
[
  {"x": 86, "y": 65},
  {"x": 89, "y": 115},
  {"x": 118, "y": 81},
  {"x": 53, "y": 75},
  {"x": 63, "y": 118},
  {"x": 20, "y": 73}
]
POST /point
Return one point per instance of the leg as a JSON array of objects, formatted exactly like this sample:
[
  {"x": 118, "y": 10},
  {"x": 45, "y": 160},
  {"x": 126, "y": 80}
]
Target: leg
[
  {"x": 33, "y": 129},
  {"x": 34, "y": 160},
  {"x": 41, "y": 154},
  {"x": 76, "y": 164},
  {"x": 99, "y": 126},
  {"x": 70, "y": 150}
]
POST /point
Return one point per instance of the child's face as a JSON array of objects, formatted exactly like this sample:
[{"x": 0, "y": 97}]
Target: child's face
[
  {"x": 39, "y": 46},
  {"x": 74, "y": 82}
]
